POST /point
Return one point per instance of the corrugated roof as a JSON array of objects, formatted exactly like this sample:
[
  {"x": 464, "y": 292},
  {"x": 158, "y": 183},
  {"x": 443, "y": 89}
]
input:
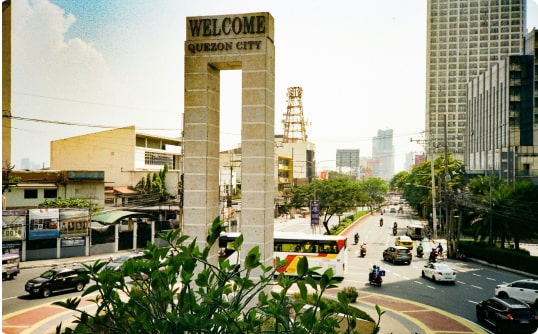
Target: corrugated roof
[{"x": 111, "y": 217}]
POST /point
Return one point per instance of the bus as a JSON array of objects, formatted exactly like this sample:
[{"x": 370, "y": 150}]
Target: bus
[{"x": 323, "y": 251}]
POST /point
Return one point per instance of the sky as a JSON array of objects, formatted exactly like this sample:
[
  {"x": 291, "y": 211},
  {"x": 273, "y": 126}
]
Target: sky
[{"x": 85, "y": 66}]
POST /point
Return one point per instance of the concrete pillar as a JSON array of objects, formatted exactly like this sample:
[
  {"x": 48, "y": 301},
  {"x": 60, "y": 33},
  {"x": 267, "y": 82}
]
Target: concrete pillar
[{"x": 230, "y": 42}]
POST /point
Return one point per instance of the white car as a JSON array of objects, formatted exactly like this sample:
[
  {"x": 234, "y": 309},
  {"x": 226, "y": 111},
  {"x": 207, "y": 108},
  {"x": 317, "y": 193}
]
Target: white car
[
  {"x": 525, "y": 290},
  {"x": 439, "y": 272}
]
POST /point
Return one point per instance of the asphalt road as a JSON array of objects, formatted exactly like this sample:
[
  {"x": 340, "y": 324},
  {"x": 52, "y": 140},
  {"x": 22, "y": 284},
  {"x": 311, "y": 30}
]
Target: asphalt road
[{"x": 475, "y": 282}]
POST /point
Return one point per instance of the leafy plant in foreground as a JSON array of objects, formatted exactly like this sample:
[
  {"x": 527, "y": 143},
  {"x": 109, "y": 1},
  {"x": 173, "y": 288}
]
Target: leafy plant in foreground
[{"x": 176, "y": 289}]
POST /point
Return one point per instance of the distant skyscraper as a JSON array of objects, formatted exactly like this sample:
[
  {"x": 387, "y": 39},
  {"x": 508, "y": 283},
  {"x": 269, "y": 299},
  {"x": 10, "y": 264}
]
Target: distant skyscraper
[
  {"x": 464, "y": 39},
  {"x": 383, "y": 154}
]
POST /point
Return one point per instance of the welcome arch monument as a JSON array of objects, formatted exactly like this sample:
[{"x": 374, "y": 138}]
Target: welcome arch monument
[{"x": 213, "y": 44}]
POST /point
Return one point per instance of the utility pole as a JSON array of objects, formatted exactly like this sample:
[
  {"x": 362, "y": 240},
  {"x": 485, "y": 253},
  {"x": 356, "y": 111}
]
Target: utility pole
[{"x": 447, "y": 197}]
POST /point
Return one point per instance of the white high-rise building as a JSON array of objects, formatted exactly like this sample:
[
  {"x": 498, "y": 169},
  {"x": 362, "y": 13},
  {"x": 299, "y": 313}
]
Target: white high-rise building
[{"x": 464, "y": 39}]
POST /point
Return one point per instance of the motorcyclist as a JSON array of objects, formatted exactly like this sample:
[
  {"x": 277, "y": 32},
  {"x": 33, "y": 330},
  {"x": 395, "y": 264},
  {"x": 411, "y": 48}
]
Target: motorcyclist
[
  {"x": 395, "y": 224},
  {"x": 374, "y": 272},
  {"x": 440, "y": 250},
  {"x": 357, "y": 238},
  {"x": 433, "y": 255},
  {"x": 381, "y": 222},
  {"x": 420, "y": 250},
  {"x": 363, "y": 249}
]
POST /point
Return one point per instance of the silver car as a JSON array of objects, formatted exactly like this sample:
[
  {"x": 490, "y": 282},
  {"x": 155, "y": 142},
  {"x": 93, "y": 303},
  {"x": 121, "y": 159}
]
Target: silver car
[{"x": 398, "y": 254}]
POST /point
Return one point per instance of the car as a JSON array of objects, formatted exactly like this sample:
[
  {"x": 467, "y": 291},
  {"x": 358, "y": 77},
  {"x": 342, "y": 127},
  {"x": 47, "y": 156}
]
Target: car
[
  {"x": 115, "y": 265},
  {"x": 405, "y": 241},
  {"x": 392, "y": 210},
  {"x": 58, "y": 279},
  {"x": 508, "y": 315},
  {"x": 439, "y": 272},
  {"x": 398, "y": 254},
  {"x": 525, "y": 290},
  {"x": 10, "y": 266}
]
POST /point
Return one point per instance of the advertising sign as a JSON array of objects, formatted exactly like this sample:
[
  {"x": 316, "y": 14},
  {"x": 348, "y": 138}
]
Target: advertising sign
[
  {"x": 314, "y": 213},
  {"x": 13, "y": 225},
  {"x": 43, "y": 223},
  {"x": 74, "y": 222}
]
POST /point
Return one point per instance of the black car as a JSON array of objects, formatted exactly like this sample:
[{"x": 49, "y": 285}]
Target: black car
[
  {"x": 58, "y": 279},
  {"x": 507, "y": 315}
]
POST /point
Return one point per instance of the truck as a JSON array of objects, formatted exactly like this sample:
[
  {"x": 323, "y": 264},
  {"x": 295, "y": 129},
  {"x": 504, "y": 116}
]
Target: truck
[{"x": 415, "y": 231}]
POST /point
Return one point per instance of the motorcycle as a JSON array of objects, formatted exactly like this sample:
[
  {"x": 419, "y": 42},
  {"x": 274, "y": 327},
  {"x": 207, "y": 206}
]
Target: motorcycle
[
  {"x": 363, "y": 250},
  {"x": 356, "y": 238},
  {"x": 433, "y": 256},
  {"x": 381, "y": 222},
  {"x": 375, "y": 276},
  {"x": 420, "y": 251},
  {"x": 394, "y": 231},
  {"x": 460, "y": 255}
]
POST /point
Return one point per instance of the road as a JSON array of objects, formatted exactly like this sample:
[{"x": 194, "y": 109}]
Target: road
[{"x": 475, "y": 282}]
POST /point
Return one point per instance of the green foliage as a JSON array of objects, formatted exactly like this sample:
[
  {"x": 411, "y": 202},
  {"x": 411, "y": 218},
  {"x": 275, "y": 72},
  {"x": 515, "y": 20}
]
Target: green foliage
[
  {"x": 506, "y": 257},
  {"x": 512, "y": 209},
  {"x": 337, "y": 195},
  {"x": 153, "y": 186},
  {"x": 73, "y": 203},
  {"x": 182, "y": 292}
]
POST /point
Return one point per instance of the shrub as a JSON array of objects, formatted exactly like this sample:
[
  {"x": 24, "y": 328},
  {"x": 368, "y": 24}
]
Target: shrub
[{"x": 185, "y": 293}]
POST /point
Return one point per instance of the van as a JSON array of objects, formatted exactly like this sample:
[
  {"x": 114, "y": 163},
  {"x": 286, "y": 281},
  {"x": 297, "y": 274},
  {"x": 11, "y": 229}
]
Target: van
[
  {"x": 415, "y": 231},
  {"x": 10, "y": 265}
]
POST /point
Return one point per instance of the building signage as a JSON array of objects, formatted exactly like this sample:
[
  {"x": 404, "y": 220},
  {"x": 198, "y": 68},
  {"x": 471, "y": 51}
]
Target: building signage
[
  {"x": 314, "y": 213},
  {"x": 74, "y": 222},
  {"x": 43, "y": 223},
  {"x": 243, "y": 32},
  {"x": 13, "y": 225}
]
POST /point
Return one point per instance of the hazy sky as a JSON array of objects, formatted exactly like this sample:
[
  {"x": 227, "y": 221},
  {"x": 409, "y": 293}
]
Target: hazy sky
[{"x": 86, "y": 66}]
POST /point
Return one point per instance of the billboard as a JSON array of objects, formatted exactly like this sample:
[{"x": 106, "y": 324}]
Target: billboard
[
  {"x": 13, "y": 225},
  {"x": 74, "y": 222},
  {"x": 43, "y": 223}
]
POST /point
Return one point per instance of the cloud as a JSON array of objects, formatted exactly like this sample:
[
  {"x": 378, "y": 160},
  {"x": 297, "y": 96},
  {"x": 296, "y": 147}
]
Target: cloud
[{"x": 47, "y": 64}]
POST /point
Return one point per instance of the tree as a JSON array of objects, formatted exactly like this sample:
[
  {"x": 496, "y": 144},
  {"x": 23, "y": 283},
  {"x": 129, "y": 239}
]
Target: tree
[
  {"x": 374, "y": 189},
  {"x": 185, "y": 293},
  {"x": 335, "y": 196},
  {"x": 510, "y": 209},
  {"x": 153, "y": 187}
]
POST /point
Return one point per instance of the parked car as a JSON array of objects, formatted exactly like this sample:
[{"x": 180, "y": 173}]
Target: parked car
[
  {"x": 396, "y": 254},
  {"x": 405, "y": 241},
  {"x": 507, "y": 315},
  {"x": 525, "y": 290},
  {"x": 116, "y": 264},
  {"x": 58, "y": 279},
  {"x": 10, "y": 265},
  {"x": 439, "y": 272}
]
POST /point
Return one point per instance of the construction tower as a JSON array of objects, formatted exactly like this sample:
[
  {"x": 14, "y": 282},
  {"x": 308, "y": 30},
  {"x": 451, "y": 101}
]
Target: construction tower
[{"x": 294, "y": 123}]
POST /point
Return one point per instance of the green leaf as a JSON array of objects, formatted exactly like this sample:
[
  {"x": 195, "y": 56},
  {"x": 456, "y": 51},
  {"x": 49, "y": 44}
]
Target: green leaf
[{"x": 302, "y": 266}]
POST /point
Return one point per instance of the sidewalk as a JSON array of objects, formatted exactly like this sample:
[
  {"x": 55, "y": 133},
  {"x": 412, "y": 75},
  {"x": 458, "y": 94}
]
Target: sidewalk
[{"x": 400, "y": 317}]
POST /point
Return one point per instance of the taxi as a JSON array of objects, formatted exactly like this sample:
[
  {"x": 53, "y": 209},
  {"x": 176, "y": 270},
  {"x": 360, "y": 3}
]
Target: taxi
[{"x": 404, "y": 241}]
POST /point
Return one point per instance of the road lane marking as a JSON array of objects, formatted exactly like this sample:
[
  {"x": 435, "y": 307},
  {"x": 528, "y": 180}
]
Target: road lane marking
[
  {"x": 491, "y": 279},
  {"x": 431, "y": 287},
  {"x": 477, "y": 275},
  {"x": 418, "y": 282},
  {"x": 461, "y": 282},
  {"x": 478, "y": 287}
]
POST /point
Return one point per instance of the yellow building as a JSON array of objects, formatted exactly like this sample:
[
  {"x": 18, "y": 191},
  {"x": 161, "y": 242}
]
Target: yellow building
[{"x": 124, "y": 155}]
